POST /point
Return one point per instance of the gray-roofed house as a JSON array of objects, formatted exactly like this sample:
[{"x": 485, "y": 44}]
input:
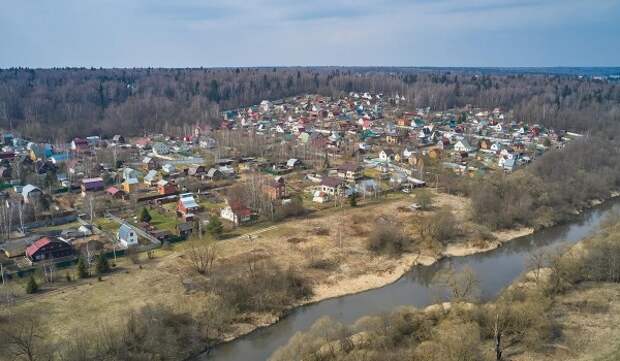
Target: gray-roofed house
[
  {"x": 127, "y": 236},
  {"x": 31, "y": 193}
]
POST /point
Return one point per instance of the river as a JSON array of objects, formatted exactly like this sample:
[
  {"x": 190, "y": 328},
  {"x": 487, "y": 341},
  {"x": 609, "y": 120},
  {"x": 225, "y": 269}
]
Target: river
[{"x": 494, "y": 270}]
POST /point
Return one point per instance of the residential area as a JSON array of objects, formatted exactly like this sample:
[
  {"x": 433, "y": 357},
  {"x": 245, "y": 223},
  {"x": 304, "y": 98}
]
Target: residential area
[{"x": 264, "y": 163}]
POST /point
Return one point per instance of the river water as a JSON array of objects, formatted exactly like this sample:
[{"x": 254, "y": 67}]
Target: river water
[{"x": 494, "y": 270}]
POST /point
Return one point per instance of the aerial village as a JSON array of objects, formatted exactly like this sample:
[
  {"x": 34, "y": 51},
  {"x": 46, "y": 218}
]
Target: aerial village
[{"x": 117, "y": 195}]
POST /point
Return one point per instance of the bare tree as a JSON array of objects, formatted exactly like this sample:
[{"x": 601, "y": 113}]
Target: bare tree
[{"x": 201, "y": 259}]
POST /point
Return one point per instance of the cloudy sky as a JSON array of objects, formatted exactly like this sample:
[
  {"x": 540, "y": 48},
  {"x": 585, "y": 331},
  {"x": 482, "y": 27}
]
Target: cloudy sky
[{"x": 180, "y": 33}]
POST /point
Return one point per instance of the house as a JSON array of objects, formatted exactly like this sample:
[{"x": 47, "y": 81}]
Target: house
[
  {"x": 164, "y": 187},
  {"x": 386, "y": 155},
  {"x": 236, "y": 213},
  {"x": 150, "y": 163},
  {"x": 5, "y": 172},
  {"x": 127, "y": 236},
  {"x": 215, "y": 174},
  {"x": 168, "y": 168},
  {"x": 293, "y": 163},
  {"x": 79, "y": 145},
  {"x": 350, "y": 171},
  {"x": 151, "y": 178},
  {"x": 463, "y": 146},
  {"x": 118, "y": 139},
  {"x": 115, "y": 193},
  {"x": 320, "y": 197},
  {"x": 60, "y": 158},
  {"x": 332, "y": 186},
  {"x": 92, "y": 184},
  {"x": 275, "y": 189},
  {"x": 187, "y": 205},
  {"x": 185, "y": 229},
  {"x": 196, "y": 170},
  {"x": 130, "y": 185},
  {"x": 31, "y": 193},
  {"x": 48, "y": 248}
]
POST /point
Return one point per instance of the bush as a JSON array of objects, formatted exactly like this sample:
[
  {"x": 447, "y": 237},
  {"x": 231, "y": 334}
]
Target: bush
[
  {"x": 387, "y": 238},
  {"x": 215, "y": 227},
  {"x": 82, "y": 268},
  {"x": 102, "y": 266},
  {"x": 265, "y": 287},
  {"x": 441, "y": 227},
  {"x": 31, "y": 285},
  {"x": 424, "y": 199}
]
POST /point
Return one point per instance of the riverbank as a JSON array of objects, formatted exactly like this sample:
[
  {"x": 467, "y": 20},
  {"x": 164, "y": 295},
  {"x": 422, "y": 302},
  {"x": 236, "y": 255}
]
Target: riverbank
[
  {"x": 536, "y": 319},
  {"x": 357, "y": 269},
  {"x": 312, "y": 246}
]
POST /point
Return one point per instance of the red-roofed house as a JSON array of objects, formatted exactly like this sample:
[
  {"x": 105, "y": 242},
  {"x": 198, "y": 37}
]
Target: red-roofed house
[
  {"x": 236, "y": 213},
  {"x": 48, "y": 248}
]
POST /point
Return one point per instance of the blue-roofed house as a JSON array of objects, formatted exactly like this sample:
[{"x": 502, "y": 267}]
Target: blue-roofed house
[
  {"x": 127, "y": 236},
  {"x": 59, "y": 158}
]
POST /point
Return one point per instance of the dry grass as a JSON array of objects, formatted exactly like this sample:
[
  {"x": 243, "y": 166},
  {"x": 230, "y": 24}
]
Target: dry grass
[
  {"x": 589, "y": 317},
  {"x": 335, "y": 259}
]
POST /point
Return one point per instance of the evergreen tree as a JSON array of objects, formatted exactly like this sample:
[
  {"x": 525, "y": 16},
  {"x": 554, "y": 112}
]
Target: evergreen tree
[
  {"x": 82, "y": 269},
  {"x": 353, "y": 200},
  {"x": 215, "y": 227},
  {"x": 145, "y": 216},
  {"x": 31, "y": 286},
  {"x": 102, "y": 266}
]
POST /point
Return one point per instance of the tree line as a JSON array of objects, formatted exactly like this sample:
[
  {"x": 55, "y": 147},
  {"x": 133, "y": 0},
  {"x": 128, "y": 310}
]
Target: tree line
[{"x": 57, "y": 104}]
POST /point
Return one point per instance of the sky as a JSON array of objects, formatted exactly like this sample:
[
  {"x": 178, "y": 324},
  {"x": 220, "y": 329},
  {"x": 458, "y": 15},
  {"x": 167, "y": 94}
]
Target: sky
[{"x": 240, "y": 33}]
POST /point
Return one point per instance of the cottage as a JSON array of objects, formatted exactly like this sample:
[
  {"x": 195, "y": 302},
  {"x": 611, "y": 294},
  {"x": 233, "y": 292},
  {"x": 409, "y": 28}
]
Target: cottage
[
  {"x": 92, "y": 184},
  {"x": 196, "y": 170},
  {"x": 332, "y": 186},
  {"x": 320, "y": 197},
  {"x": 386, "y": 155},
  {"x": 5, "y": 172},
  {"x": 293, "y": 163},
  {"x": 187, "y": 205},
  {"x": 48, "y": 248},
  {"x": 151, "y": 178},
  {"x": 168, "y": 168},
  {"x": 463, "y": 146},
  {"x": 164, "y": 187},
  {"x": 31, "y": 193},
  {"x": 115, "y": 193},
  {"x": 127, "y": 236},
  {"x": 215, "y": 174},
  {"x": 150, "y": 163},
  {"x": 275, "y": 189},
  {"x": 118, "y": 139},
  {"x": 236, "y": 213},
  {"x": 185, "y": 229},
  {"x": 130, "y": 185},
  {"x": 350, "y": 171},
  {"x": 79, "y": 145}
]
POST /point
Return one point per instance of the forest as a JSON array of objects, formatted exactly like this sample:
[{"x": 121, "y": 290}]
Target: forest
[{"x": 55, "y": 105}]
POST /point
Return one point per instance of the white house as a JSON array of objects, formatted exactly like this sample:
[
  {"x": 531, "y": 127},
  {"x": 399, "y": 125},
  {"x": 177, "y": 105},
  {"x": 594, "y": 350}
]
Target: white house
[
  {"x": 127, "y": 236},
  {"x": 386, "y": 155},
  {"x": 463, "y": 146}
]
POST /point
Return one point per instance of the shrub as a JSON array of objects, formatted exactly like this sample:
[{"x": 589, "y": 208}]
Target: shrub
[
  {"x": 387, "y": 238},
  {"x": 101, "y": 264},
  {"x": 31, "y": 285},
  {"x": 82, "y": 268},
  {"x": 215, "y": 227}
]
